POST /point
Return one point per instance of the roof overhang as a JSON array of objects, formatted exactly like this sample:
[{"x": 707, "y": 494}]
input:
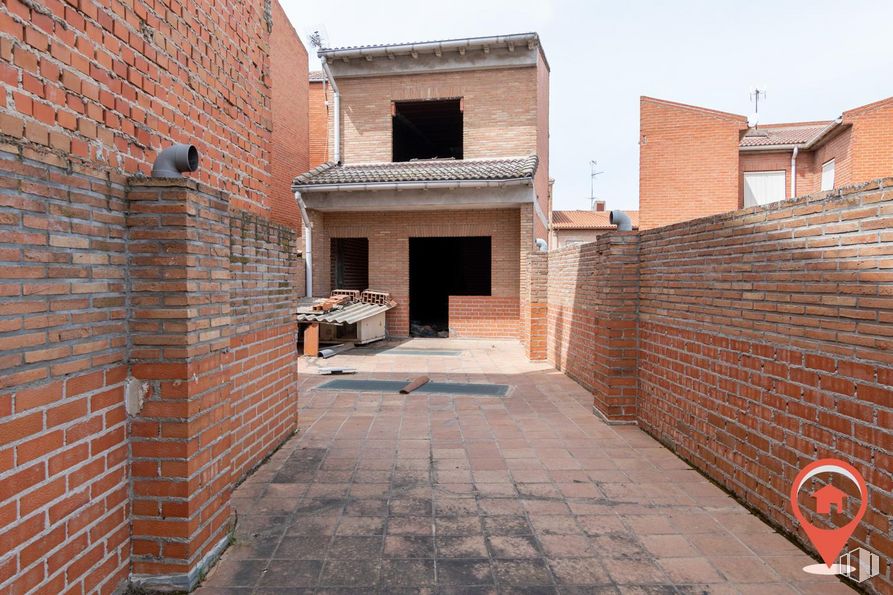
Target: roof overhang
[
  {"x": 812, "y": 143},
  {"x": 476, "y": 53},
  {"x": 421, "y": 196}
]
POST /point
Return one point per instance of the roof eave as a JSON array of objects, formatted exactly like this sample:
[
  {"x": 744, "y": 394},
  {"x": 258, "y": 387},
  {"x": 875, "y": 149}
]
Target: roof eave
[
  {"x": 410, "y": 185},
  {"x": 398, "y": 49}
]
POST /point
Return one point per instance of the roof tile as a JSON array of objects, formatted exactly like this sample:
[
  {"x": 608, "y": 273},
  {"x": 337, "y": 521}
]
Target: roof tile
[
  {"x": 770, "y": 135},
  {"x": 588, "y": 219}
]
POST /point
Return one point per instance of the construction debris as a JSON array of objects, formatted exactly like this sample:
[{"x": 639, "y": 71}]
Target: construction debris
[
  {"x": 347, "y": 315},
  {"x": 335, "y": 350},
  {"x": 337, "y": 371},
  {"x": 417, "y": 383}
]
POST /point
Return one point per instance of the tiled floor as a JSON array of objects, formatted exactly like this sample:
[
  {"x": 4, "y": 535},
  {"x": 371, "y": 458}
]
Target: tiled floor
[{"x": 525, "y": 493}]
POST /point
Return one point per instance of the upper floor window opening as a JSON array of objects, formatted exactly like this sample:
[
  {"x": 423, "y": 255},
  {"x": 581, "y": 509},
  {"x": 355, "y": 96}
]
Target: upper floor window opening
[{"x": 427, "y": 129}]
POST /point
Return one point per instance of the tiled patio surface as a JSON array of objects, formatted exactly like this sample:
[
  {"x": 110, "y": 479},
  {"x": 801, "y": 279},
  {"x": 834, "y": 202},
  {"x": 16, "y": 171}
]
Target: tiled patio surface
[{"x": 525, "y": 493}]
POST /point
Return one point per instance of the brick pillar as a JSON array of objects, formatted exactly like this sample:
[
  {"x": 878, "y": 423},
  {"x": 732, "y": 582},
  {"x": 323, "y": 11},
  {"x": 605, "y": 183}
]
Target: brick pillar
[
  {"x": 178, "y": 243},
  {"x": 526, "y": 243},
  {"x": 615, "y": 296},
  {"x": 537, "y": 306}
]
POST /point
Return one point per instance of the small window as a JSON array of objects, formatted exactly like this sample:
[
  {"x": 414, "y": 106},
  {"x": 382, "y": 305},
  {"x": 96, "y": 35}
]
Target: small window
[
  {"x": 828, "y": 175},
  {"x": 427, "y": 129},
  {"x": 763, "y": 187}
]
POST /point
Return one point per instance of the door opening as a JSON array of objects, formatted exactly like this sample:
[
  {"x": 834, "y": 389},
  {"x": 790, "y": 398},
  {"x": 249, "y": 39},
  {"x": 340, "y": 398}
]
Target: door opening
[{"x": 439, "y": 268}]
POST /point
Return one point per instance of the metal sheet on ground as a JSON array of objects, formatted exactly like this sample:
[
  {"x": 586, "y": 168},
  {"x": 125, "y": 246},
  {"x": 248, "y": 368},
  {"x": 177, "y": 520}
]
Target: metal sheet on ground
[
  {"x": 430, "y": 352},
  {"x": 393, "y": 386}
]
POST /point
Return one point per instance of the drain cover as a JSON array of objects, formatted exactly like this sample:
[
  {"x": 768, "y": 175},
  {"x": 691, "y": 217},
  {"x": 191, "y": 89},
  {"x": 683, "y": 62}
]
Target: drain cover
[{"x": 393, "y": 386}]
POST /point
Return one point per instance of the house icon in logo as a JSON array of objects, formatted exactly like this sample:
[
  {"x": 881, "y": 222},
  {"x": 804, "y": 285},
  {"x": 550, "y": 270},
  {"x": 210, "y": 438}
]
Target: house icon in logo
[{"x": 827, "y": 496}]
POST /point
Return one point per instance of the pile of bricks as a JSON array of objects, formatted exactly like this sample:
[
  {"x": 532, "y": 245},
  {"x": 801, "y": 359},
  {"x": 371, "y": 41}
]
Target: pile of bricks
[{"x": 379, "y": 298}]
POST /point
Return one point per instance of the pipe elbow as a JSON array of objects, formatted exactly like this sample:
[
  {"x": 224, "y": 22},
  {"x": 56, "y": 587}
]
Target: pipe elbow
[
  {"x": 175, "y": 160},
  {"x": 621, "y": 220}
]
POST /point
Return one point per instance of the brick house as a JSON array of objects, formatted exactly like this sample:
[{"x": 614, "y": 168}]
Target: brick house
[
  {"x": 319, "y": 118},
  {"x": 438, "y": 182},
  {"x": 695, "y": 162},
  {"x": 147, "y": 342},
  {"x": 580, "y": 227}
]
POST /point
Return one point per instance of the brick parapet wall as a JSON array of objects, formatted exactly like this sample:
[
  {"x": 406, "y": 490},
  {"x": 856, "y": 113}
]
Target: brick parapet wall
[
  {"x": 484, "y": 316},
  {"x": 535, "y": 304},
  {"x": 764, "y": 343},
  {"x": 267, "y": 278},
  {"x": 592, "y": 309}
]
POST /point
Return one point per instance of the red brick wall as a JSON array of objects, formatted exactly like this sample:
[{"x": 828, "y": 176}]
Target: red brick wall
[
  {"x": 688, "y": 162},
  {"x": 484, "y": 316},
  {"x": 290, "y": 151},
  {"x": 765, "y": 343},
  {"x": 319, "y": 122},
  {"x": 95, "y": 90},
  {"x": 266, "y": 280},
  {"x": 64, "y": 508},
  {"x": 591, "y": 331},
  {"x": 872, "y": 145},
  {"x": 110, "y": 83},
  {"x": 389, "y": 232}
]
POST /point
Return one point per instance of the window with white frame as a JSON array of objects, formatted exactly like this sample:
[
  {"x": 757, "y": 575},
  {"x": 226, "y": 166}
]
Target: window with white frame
[
  {"x": 828, "y": 175},
  {"x": 763, "y": 187}
]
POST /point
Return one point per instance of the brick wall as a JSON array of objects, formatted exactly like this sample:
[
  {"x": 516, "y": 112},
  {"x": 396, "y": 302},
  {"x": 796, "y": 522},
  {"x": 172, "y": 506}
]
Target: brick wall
[
  {"x": 91, "y": 91},
  {"x": 388, "y": 234},
  {"x": 872, "y": 145},
  {"x": 484, "y": 316},
  {"x": 267, "y": 278},
  {"x": 688, "y": 162},
  {"x": 290, "y": 150},
  {"x": 319, "y": 121},
  {"x": 591, "y": 331},
  {"x": 764, "y": 343},
  {"x": 500, "y": 117}
]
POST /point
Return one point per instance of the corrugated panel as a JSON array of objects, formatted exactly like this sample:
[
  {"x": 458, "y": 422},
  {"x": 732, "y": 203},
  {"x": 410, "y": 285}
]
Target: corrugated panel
[
  {"x": 393, "y": 386},
  {"x": 347, "y": 315}
]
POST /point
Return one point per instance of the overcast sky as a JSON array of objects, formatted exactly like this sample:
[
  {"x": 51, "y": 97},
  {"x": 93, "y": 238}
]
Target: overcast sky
[{"x": 816, "y": 58}]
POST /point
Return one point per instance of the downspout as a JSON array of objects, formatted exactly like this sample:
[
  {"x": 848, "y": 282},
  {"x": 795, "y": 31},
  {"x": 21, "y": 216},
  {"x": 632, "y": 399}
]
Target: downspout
[
  {"x": 794, "y": 172},
  {"x": 337, "y": 124},
  {"x": 308, "y": 245}
]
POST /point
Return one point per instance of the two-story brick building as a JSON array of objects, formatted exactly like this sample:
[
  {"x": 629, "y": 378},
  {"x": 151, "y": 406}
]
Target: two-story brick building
[
  {"x": 695, "y": 162},
  {"x": 437, "y": 185}
]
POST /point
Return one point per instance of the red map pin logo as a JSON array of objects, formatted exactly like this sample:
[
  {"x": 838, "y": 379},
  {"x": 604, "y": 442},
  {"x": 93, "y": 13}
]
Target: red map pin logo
[{"x": 829, "y": 542}]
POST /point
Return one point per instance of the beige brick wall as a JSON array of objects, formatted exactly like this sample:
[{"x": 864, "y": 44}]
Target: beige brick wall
[{"x": 500, "y": 111}]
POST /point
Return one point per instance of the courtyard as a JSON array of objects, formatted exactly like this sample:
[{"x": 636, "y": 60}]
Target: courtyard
[{"x": 527, "y": 492}]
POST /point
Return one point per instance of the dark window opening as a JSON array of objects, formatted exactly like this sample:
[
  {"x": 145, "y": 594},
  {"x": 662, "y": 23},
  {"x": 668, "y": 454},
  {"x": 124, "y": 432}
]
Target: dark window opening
[
  {"x": 350, "y": 263},
  {"x": 427, "y": 129},
  {"x": 439, "y": 268}
]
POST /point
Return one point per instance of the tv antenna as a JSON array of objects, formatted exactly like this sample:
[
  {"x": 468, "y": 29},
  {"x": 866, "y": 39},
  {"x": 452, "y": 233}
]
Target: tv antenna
[
  {"x": 756, "y": 93},
  {"x": 592, "y": 173},
  {"x": 318, "y": 37}
]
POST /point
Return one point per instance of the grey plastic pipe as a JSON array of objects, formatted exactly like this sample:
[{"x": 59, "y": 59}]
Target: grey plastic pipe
[
  {"x": 175, "y": 160},
  {"x": 621, "y": 220}
]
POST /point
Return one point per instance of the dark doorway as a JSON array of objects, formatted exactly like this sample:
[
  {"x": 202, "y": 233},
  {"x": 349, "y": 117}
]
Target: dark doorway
[
  {"x": 439, "y": 268},
  {"x": 427, "y": 129},
  {"x": 350, "y": 263}
]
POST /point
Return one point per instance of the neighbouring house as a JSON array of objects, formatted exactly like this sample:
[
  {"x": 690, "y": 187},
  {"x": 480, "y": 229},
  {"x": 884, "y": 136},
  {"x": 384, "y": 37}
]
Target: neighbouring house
[
  {"x": 581, "y": 226},
  {"x": 436, "y": 188},
  {"x": 695, "y": 162}
]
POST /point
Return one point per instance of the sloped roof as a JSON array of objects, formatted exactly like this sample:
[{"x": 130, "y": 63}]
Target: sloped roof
[
  {"x": 411, "y": 45},
  {"x": 317, "y": 75},
  {"x": 427, "y": 170},
  {"x": 588, "y": 219},
  {"x": 783, "y": 134}
]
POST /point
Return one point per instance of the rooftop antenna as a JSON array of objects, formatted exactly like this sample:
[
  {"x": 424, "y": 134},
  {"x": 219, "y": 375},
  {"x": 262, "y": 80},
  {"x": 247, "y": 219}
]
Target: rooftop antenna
[
  {"x": 592, "y": 173},
  {"x": 756, "y": 93},
  {"x": 318, "y": 37}
]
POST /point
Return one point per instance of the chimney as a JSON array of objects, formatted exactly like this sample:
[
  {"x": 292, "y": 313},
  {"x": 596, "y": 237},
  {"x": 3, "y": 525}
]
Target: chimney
[{"x": 598, "y": 205}]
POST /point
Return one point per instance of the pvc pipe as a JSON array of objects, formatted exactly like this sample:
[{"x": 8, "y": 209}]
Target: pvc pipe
[
  {"x": 175, "y": 160},
  {"x": 336, "y": 157},
  {"x": 621, "y": 220},
  {"x": 308, "y": 246}
]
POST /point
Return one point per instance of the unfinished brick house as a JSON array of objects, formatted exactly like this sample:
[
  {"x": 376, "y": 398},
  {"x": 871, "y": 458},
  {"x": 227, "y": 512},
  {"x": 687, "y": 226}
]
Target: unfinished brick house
[
  {"x": 147, "y": 359},
  {"x": 569, "y": 228},
  {"x": 718, "y": 163},
  {"x": 437, "y": 187}
]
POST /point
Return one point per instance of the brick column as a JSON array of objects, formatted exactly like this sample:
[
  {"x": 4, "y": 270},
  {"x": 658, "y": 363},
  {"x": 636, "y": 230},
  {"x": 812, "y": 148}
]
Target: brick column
[
  {"x": 178, "y": 244},
  {"x": 537, "y": 306},
  {"x": 615, "y": 297}
]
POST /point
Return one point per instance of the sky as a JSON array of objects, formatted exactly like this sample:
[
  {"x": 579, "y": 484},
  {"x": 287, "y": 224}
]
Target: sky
[{"x": 815, "y": 59}]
